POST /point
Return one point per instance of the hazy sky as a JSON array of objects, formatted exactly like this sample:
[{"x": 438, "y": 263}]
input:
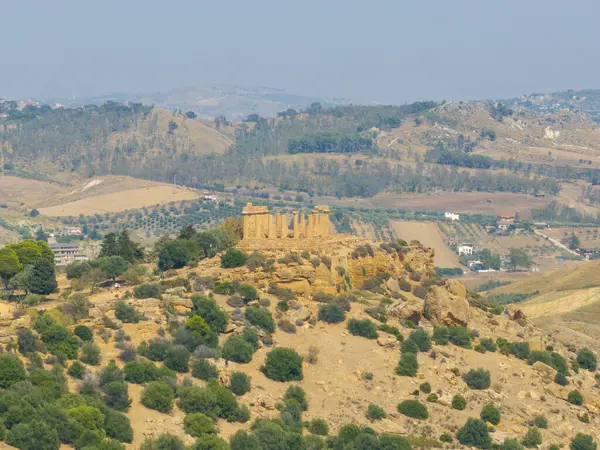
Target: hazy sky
[{"x": 376, "y": 50}]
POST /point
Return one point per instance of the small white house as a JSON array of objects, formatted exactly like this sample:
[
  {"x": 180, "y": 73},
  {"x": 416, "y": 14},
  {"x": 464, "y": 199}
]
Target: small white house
[
  {"x": 210, "y": 197},
  {"x": 451, "y": 216},
  {"x": 465, "y": 249}
]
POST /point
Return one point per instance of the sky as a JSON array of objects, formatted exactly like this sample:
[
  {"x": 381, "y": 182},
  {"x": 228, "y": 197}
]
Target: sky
[{"x": 389, "y": 51}]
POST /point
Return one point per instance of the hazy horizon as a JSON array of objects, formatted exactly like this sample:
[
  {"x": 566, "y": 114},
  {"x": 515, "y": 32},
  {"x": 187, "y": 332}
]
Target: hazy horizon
[{"x": 381, "y": 51}]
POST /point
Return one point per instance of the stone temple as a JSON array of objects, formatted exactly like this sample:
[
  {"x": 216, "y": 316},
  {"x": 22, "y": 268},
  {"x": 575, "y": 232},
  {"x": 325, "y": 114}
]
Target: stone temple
[{"x": 258, "y": 224}]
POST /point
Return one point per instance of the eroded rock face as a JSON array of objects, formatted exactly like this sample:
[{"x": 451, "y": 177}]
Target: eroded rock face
[
  {"x": 447, "y": 308},
  {"x": 410, "y": 309}
]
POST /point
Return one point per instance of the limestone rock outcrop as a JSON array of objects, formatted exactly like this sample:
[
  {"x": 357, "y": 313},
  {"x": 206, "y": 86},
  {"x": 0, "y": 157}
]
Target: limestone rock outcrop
[{"x": 446, "y": 307}]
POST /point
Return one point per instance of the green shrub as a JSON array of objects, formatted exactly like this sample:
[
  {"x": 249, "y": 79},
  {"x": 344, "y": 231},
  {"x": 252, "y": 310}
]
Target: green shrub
[
  {"x": 158, "y": 396},
  {"x": 283, "y": 364},
  {"x": 90, "y": 354},
  {"x": 297, "y": 394},
  {"x": 408, "y": 365},
  {"x": 488, "y": 344},
  {"x": 198, "y": 424},
  {"x": 165, "y": 441},
  {"x": 212, "y": 314},
  {"x": 237, "y": 349},
  {"x": 561, "y": 379},
  {"x": 425, "y": 387},
  {"x": 177, "y": 358},
  {"x": 432, "y": 398},
  {"x": 575, "y": 398},
  {"x": 365, "y": 328},
  {"x": 441, "y": 335},
  {"x": 239, "y": 383},
  {"x": 414, "y": 409},
  {"x": 156, "y": 349},
  {"x": 478, "y": 379},
  {"x": 520, "y": 349},
  {"x": 116, "y": 395},
  {"x": 579, "y": 442},
  {"x": 474, "y": 433},
  {"x": 261, "y": 318},
  {"x": 540, "y": 422},
  {"x": 422, "y": 339},
  {"x": 318, "y": 427},
  {"x": 34, "y": 435},
  {"x": 480, "y": 348},
  {"x": 409, "y": 346},
  {"x": 489, "y": 413},
  {"x": 143, "y": 371},
  {"x": 26, "y": 341},
  {"x": 126, "y": 313},
  {"x": 204, "y": 370},
  {"x": 118, "y": 426},
  {"x": 460, "y": 337},
  {"x": 224, "y": 288},
  {"x": 331, "y": 313},
  {"x": 587, "y": 359},
  {"x": 446, "y": 438},
  {"x": 210, "y": 442},
  {"x": 147, "y": 290},
  {"x": 233, "y": 258},
  {"x": 386, "y": 328},
  {"x": 110, "y": 373},
  {"x": 84, "y": 333},
  {"x": 533, "y": 438},
  {"x": 11, "y": 371},
  {"x": 247, "y": 292},
  {"x": 511, "y": 444},
  {"x": 76, "y": 370},
  {"x": 375, "y": 412},
  {"x": 32, "y": 300},
  {"x": 459, "y": 402}
]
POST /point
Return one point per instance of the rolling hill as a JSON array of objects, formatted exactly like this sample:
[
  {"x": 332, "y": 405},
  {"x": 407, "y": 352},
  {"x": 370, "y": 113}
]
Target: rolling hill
[{"x": 567, "y": 303}]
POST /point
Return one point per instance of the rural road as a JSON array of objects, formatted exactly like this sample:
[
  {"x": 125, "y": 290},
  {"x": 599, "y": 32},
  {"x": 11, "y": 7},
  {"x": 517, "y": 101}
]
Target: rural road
[{"x": 557, "y": 243}]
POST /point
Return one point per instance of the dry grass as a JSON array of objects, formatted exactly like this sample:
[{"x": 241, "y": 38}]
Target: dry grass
[{"x": 120, "y": 201}]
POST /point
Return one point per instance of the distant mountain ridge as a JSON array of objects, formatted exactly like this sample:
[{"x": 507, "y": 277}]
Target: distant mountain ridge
[{"x": 232, "y": 102}]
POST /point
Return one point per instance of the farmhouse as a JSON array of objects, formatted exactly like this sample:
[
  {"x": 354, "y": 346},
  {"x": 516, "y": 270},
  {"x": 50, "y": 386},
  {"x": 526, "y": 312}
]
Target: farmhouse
[
  {"x": 464, "y": 249},
  {"x": 505, "y": 223},
  {"x": 451, "y": 216}
]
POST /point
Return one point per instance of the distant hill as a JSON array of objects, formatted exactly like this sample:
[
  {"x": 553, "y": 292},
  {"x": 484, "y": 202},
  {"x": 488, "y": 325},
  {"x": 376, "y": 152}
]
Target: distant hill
[
  {"x": 232, "y": 102},
  {"x": 584, "y": 100}
]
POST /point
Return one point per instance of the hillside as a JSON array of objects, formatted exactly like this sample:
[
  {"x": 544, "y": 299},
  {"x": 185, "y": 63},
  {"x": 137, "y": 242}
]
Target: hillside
[
  {"x": 232, "y": 102},
  {"x": 566, "y": 303},
  {"x": 337, "y": 386}
]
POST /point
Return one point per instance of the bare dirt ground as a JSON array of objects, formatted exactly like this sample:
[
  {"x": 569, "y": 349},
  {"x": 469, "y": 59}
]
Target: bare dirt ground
[
  {"x": 428, "y": 234},
  {"x": 15, "y": 190},
  {"x": 493, "y": 203},
  {"x": 121, "y": 201}
]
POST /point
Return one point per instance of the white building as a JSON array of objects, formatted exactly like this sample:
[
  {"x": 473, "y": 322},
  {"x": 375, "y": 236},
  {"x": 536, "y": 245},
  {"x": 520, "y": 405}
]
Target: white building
[
  {"x": 465, "y": 249},
  {"x": 451, "y": 216},
  {"x": 65, "y": 254},
  {"x": 210, "y": 197}
]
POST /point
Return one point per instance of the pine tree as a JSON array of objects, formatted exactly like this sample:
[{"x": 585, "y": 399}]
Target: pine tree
[
  {"x": 42, "y": 279},
  {"x": 109, "y": 246}
]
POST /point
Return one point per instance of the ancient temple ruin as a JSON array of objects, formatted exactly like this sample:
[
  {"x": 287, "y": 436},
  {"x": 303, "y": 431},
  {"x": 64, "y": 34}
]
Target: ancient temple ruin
[{"x": 259, "y": 224}]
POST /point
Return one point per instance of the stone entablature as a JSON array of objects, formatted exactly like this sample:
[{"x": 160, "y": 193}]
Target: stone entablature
[{"x": 259, "y": 224}]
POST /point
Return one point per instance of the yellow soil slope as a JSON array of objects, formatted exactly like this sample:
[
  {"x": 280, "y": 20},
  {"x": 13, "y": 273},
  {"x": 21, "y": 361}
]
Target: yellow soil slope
[
  {"x": 581, "y": 276},
  {"x": 428, "y": 234},
  {"x": 121, "y": 201}
]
